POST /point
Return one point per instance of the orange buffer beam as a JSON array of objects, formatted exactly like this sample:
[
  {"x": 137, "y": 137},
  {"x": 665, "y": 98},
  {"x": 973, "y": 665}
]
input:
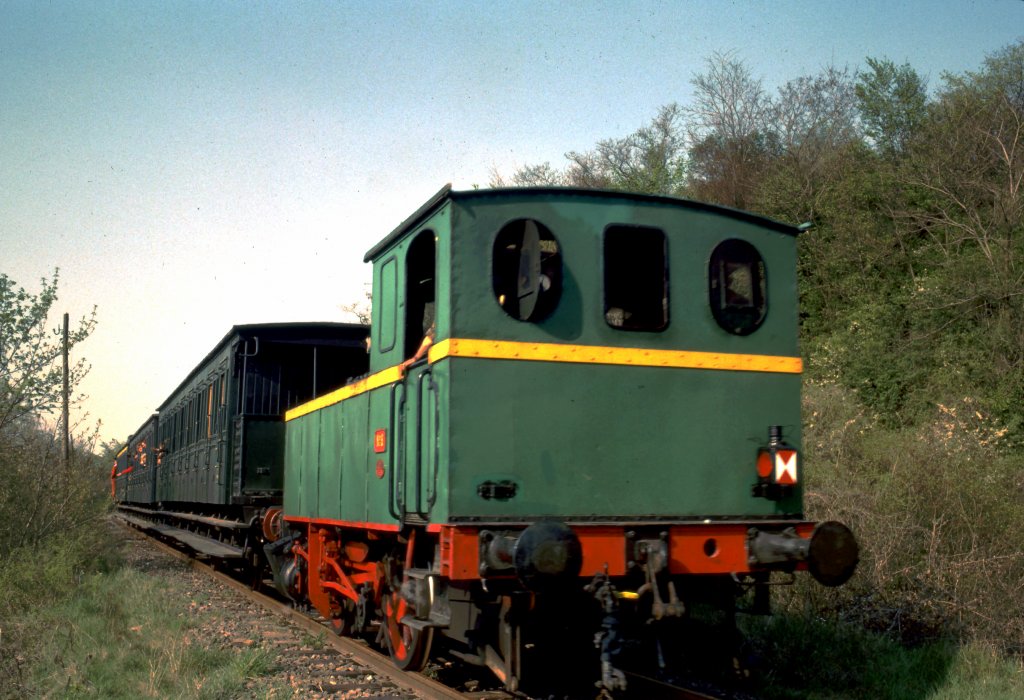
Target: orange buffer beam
[{"x": 702, "y": 548}]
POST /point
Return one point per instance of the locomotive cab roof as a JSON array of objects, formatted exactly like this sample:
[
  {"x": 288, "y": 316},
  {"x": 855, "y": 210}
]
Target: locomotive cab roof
[{"x": 446, "y": 194}]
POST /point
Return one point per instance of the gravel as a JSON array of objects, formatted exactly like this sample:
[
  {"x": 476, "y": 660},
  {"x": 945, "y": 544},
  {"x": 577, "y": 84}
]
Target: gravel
[{"x": 301, "y": 665}]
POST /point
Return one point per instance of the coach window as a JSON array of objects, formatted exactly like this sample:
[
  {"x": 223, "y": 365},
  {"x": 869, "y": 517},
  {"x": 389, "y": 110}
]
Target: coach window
[
  {"x": 222, "y": 408},
  {"x": 635, "y": 278},
  {"x": 526, "y": 270},
  {"x": 737, "y": 287},
  {"x": 420, "y": 302},
  {"x": 209, "y": 411}
]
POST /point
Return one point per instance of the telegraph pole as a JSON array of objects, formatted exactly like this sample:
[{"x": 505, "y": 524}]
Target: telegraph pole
[{"x": 66, "y": 436}]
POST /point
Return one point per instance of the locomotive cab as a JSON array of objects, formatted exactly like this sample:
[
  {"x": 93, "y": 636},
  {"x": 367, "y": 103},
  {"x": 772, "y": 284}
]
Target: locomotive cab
[{"x": 635, "y": 358}]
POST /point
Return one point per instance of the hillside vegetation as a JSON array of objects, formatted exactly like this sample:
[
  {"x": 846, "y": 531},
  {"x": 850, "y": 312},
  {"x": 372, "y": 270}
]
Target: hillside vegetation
[
  {"x": 912, "y": 312},
  {"x": 49, "y": 508}
]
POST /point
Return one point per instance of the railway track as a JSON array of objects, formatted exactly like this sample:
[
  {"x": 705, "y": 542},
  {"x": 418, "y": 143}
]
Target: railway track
[
  {"x": 341, "y": 664},
  {"x": 646, "y": 688},
  {"x": 342, "y": 667}
]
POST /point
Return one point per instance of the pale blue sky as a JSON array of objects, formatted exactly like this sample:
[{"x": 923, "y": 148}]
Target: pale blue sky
[{"x": 193, "y": 165}]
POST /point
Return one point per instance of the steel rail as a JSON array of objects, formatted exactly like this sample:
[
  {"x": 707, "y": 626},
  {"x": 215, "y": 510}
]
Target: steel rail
[{"x": 641, "y": 686}]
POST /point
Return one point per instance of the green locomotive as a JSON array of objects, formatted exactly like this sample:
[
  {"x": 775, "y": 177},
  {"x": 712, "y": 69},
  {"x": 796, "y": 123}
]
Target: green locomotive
[{"x": 582, "y": 411}]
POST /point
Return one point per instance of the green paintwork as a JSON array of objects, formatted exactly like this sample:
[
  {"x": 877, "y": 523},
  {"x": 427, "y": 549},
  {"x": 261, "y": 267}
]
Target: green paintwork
[
  {"x": 196, "y": 465},
  {"x": 591, "y": 441},
  {"x": 263, "y": 453},
  {"x": 583, "y": 442},
  {"x": 578, "y": 222},
  {"x": 330, "y": 467}
]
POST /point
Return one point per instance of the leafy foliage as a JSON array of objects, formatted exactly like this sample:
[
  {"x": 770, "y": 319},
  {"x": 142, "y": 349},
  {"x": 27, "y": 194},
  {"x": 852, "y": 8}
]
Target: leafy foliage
[
  {"x": 651, "y": 159},
  {"x": 731, "y": 142},
  {"x": 39, "y": 498},
  {"x": 30, "y": 368},
  {"x": 940, "y": 507},
  {"x": 891, "y": 100}
]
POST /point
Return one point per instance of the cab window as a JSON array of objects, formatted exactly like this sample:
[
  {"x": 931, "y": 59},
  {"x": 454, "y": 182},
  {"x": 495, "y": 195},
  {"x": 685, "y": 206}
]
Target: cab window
[
  {"x": 635, "y": 278},
  {"x": 526, "y": 270},
  {"x": 737, "y": 287}
]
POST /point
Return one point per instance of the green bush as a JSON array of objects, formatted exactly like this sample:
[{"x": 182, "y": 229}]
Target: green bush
[
  {"x": 939, "y": 514},
  {"x": 802, "y": 658},
  {"x": 52, "y": 539}
]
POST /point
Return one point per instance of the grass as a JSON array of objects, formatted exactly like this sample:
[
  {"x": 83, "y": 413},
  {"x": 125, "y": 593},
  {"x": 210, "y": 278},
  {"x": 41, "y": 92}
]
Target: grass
[
  {"x": 797, "y": 658},
  {"x": 120, "y": 633}
]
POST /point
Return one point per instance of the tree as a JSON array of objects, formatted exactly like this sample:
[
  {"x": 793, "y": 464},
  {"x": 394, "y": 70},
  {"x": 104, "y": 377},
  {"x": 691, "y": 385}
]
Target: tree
[
  {"x": 36, "y": 503},
  {"x": 813, "y": 123},
  {"x": 652, "y": 159},
  {"x": 891, "y": 100},
  {"x": 361, "y": 310},
  {"x": 30, "y": 353},
  {"x": 966, "y": 170},
  {"x": 542, "y": 175},
  {"x": 728, "y": 130},
  {"x": 814, "y": 141}
]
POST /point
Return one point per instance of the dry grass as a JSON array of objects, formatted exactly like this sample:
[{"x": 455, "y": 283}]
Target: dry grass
[{"x": 939, "y": 513}]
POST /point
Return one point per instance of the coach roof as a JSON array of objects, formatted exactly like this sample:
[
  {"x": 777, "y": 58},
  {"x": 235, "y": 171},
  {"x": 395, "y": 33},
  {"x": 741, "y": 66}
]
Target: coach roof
[{"x": 326, "y": 333}]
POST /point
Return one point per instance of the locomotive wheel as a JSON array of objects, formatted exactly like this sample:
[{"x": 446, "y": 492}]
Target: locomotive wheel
[
  {"x": 409, "y": 647},
  {"x": 271, "y": 524},
  {"x": 342, "y": 624}
]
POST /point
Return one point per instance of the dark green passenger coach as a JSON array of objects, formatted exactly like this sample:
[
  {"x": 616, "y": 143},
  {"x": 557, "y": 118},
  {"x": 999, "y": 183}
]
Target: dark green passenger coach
[
  {"x": 206, "y": 470},
  {"x": 220, "y": 439}
]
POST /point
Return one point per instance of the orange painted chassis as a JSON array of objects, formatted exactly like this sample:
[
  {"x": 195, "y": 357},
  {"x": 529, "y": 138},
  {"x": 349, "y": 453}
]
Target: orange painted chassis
[{"x": 336, "y": 569}]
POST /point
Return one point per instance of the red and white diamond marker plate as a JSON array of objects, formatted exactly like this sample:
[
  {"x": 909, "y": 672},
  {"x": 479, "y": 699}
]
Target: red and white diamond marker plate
[{"x": 785, "y": 467}]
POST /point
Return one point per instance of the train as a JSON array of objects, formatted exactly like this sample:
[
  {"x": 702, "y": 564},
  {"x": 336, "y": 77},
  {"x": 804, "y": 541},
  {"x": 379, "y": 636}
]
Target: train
[{"x": 573, "y": 421}]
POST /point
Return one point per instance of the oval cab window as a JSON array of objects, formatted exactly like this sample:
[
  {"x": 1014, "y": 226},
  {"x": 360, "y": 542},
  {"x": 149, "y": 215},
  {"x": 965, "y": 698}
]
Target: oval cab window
[
  {"x": 527, "y": 270},
  {"x": 737, "y": 287}
]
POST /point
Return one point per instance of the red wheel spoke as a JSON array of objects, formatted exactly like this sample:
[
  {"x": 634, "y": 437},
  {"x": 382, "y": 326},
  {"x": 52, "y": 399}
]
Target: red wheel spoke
[{"x": 409, "y": 647}]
